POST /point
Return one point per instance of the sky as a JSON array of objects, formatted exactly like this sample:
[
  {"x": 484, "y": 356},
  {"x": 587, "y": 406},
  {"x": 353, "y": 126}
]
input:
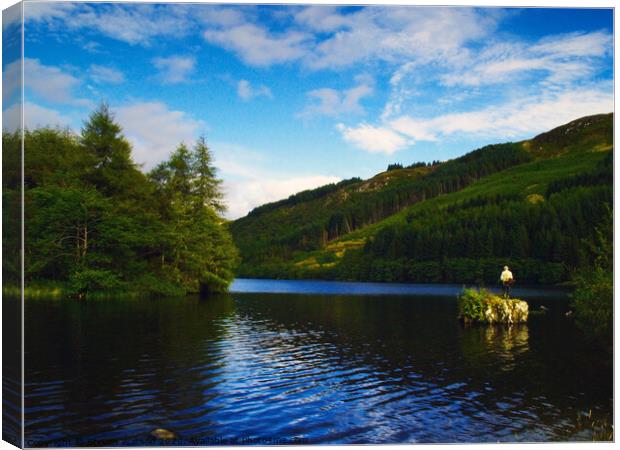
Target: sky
[{"x": 292, "y": 97}]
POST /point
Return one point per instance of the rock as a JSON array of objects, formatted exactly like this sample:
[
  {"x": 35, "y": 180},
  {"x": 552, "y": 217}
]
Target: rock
[
  {"x": 161, "y": 433},
  {"x": 483, "y": 307},
  {"x": 506, "y": 311}
]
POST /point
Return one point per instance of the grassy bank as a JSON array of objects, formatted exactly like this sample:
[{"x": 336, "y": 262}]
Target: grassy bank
[{"x": 57, "y": 291}]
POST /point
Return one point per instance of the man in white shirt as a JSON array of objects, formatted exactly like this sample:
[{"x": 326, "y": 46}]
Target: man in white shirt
[{"x": 507, "y": 281}]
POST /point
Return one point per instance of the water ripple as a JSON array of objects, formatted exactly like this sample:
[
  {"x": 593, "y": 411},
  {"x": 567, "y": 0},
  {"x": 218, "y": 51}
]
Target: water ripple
[{"x": 261, "y": 367}]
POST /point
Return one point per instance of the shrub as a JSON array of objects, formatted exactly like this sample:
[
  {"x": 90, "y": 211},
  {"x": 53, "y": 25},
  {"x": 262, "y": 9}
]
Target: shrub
[
  {"x": 593, "y": 303},
  {"x": 472, "y": 304},
  {"x": 593, "y": 296},
  {"x": 89, "y": 280}
]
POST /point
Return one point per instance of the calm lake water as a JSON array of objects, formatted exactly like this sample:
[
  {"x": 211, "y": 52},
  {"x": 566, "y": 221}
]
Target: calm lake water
[{"x": 316, "y": 362}]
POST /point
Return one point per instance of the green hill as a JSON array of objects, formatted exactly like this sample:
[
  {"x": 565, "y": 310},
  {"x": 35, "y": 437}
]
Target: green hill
[{"x": 529, "y": 204}]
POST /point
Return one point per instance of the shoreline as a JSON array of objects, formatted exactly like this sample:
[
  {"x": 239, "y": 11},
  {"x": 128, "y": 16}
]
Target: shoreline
[{"x": 294, "y": 286}]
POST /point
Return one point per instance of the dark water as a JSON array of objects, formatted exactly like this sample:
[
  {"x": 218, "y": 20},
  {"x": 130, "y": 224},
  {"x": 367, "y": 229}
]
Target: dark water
[{"x": 303, "y": 368}]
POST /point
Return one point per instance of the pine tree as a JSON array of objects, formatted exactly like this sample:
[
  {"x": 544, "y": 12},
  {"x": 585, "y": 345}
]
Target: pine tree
[
  {"x": 102, "y": 138},
  {"x": 205, "y": 184}
]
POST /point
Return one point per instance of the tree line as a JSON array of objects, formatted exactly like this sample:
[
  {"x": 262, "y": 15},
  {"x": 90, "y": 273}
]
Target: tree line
[{"x": 332, "y": 211}]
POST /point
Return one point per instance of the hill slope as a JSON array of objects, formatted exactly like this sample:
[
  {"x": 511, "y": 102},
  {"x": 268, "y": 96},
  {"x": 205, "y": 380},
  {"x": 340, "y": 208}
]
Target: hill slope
[{"x": 529, "y": 204}]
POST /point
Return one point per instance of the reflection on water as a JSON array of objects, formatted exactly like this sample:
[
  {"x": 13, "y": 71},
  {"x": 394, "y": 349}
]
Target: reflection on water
[
  {"x": 261, "y": 368},
  {"x": 502, "y": 345}
]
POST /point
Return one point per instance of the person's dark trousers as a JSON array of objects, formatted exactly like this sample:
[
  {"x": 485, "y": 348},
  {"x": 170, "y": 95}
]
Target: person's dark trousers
[{"x": 506, "y": 289}]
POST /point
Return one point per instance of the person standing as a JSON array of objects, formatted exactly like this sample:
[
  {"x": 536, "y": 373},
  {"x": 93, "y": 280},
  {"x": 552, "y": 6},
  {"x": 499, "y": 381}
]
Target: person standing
[{"x": 507, "y": 281}]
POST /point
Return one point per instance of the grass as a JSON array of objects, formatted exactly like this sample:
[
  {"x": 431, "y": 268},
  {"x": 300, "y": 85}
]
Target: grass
[
  {"x": 35, "y": 291},
  {"x": 57, "y": 291},
  {"x": 600, "y": 428}
]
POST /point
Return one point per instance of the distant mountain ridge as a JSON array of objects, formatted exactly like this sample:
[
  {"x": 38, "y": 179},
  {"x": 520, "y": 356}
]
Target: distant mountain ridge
[{"x": 317, "y": 233}]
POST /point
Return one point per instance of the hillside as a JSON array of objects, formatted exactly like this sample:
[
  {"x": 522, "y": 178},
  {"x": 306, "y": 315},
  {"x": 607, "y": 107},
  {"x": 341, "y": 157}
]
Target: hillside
[{"x": 529, "y": 204}]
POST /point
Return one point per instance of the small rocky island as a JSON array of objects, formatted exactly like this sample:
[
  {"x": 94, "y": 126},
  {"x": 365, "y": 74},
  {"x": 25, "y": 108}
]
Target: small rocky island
[{"x": 482, "y": 306}]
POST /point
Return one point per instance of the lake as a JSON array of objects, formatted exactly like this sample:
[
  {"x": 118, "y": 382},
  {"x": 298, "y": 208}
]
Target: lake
[{"x": 285, "y": 362}]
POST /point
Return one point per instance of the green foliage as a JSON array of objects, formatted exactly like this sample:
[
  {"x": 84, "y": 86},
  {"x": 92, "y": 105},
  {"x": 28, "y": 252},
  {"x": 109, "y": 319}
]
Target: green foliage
[
  {"x": 593, "y": 296},
  {"x": 593, "y": 303},
  {"x": 472, "y": 304},
  {"x": 95, "y": 223},
  {"x": 196, "y": 250},
  {"x": 93, "y": 280}
]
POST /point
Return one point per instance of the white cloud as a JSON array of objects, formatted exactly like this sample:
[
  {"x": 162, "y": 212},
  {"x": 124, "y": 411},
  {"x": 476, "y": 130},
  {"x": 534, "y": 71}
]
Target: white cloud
[
  {"x": 102, "y": 74},
  {"x": 257, "y": 46},
  {"x": 330, "y": 37},
  {"x": 321, "y": 18},
  {"x": 11, "y": 80},
  {"x": 526, "y": 87},
  {"x": 392, "y": 33},
  {"x": 51, "y": 83},
  {"x": 416, "y": 129},
  {"x": 219, "y": 15},
  {"x": 92, "y": 47},
  {"x": 131, "y": 23},
  {"x": 47, "y": 11},
  {"x": 559, "y": 60},
  {"x": 175, "y": 69},
  {"x": 331, "y": 102},
  {"x": 11, "y": 16},
  {"x": 518, "y": 118},
  {"x": 155, "y": 131},
  {"x": 241, "y": 196},
  {"x": 373, "y": 139},
  {"x": 35, "y": 116},
  {"x": 598, "y": 43},
  {"x": 246, "y": 91},
  {"x": 251, "y": 181}
]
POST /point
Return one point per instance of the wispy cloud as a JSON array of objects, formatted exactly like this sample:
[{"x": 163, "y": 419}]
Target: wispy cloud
[
  {"x": 136, "y": 24},
  {"x": 502, "y": 90},
  {"x": 373, "y": 139},
  {"x": 557, "y": 59},
  {"x": 258, "y": 46},
  {"x": 332, "y": 102},
  {"x": 11, "y": 80},
  {"x": 155, "y": 130},
  {"x": 103, "y": 74},
  {"x": 393, "y": 33},
  {"x": 241, "y": 196},
  {"x": 48, "y": 11},
  {"x": 92, "y": 47},
  {"x": 324, "y": 37},
  {"x": 50, "y": 83},
  {"x": 517, "y": 119},
  {"x": 249, "y": 182},
  {"x": 247, "y": 92},
  {"x": 175, "y": 69},
  {"x": 35, "y": 116}
]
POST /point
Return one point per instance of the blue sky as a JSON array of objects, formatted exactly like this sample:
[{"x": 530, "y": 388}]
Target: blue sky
[{"x": 293, "y": 97}]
